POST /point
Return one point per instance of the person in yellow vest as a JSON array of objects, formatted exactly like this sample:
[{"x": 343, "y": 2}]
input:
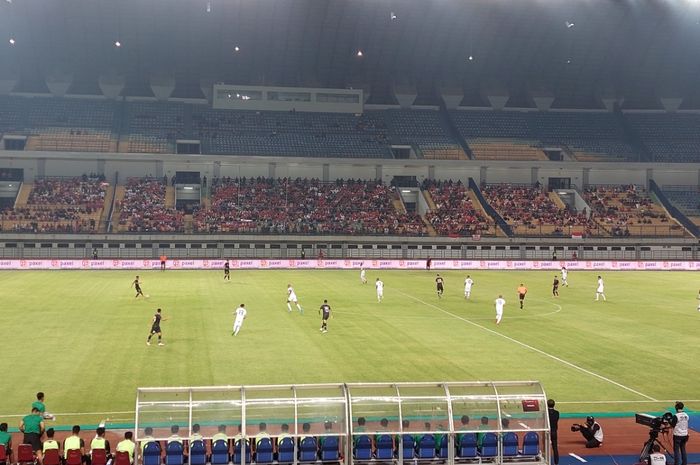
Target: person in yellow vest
[
  {"x": 220, "y": 435},
  {"x": 74, "y": 442},
  {"x": 239, "y": 435},
  {"x": 148, "y": 438},
  {"x": 127, "y": 445},
  {"x": 50, "y": 442},
  {"x": 284, "y": 434},
  {"x": 99, "y": 442}
]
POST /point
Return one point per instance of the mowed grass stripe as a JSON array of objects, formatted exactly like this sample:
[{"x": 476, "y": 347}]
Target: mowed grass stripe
[{"x": 80, "y": 336}]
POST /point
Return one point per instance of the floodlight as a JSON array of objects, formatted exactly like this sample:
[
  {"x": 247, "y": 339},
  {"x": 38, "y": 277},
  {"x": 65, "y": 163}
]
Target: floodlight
[
  {"x": 12, "y": 41},
  {"x": 471, "y": 58},
  {"x": 569, "y": 24},
  {"x": 236, "y": 48},
  {"x": 117, "y": 44},
  {"x": 359, "y": 53},
  {"x": 208, "y": 7},
  {"x": 393, "y": 16}
]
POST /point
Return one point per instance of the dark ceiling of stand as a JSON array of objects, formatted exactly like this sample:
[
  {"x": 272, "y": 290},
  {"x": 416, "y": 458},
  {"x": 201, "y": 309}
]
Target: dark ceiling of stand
[{"x": 639, "y": 49}]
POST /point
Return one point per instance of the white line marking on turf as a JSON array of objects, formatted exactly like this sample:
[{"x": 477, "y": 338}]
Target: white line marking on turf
[
  {"x": 80, "y": 413},
  {"x": 578, "y": 457},
  {"x": 527, "y": 346}
]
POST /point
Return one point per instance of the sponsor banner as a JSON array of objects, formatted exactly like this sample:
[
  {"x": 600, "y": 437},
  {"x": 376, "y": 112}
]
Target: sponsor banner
[{"x": 343, "y": 264}]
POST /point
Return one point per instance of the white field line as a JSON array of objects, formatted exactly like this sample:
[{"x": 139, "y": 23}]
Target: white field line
[
  {"x": 529, "y": 347},
  {"x": 578, "y": 457}
]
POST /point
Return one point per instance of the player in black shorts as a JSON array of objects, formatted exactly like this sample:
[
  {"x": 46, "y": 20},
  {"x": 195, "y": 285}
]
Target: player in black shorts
[
  {"x": 439, "y": 282},
  {"x": 325, "y": 310},
  {"x": 227, "y": 271},
  {"x": 137, "y": 285},
  {"x": 555, "y": 286},
  {"x": 155, "y": 329}
]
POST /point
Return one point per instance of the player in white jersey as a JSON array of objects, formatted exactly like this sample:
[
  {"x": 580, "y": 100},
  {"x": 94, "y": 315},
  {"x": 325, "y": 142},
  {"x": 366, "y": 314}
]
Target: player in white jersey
[
  {"x": 363, "y": 275},
  {"x": 238, "y": 322},
  {"x": 292, "y": 298},
  {"x": 499, "y": 303},
  {"x": 380, "y": 289},
  {"x": 600, "y": 291},
  {"x": 468, "y": 283},
  {"x": 564, "y": 276}
]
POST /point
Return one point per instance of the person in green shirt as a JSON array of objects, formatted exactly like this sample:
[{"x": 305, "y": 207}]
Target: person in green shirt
[
  {"x": 360, "y": 428},
  {"x": 32, "y": 426},
  {"x": 465, "y": 426},
  {"x": 127, "y": 445},
  {"x": 6, "y": 440},
  {"x": 39, "y": 405},
  {"x": 480, "y": 436}
]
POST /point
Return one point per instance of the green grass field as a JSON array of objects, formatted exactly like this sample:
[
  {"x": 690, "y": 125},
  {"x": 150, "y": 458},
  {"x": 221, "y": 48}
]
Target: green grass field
[{"x": 80, "y": 336}]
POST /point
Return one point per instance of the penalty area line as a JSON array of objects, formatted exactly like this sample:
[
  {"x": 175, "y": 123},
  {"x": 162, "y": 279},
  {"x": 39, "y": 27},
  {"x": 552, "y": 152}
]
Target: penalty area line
[{"x": 532, "y": 348}]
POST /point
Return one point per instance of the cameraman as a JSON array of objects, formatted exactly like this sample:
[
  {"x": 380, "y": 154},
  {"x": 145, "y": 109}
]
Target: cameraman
[
  {"x": 591, "y": 431},
  {"x": 679, "y": 422}
]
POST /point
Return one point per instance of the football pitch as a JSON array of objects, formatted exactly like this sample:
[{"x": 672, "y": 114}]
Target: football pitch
[{"x": 80, "y": 336}]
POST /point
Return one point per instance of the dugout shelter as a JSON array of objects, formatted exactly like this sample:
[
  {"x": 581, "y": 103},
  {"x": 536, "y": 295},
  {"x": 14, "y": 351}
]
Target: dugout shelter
[{"x": 361, "y": 422}]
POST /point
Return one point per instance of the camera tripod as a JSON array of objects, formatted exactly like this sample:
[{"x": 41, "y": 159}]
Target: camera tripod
[{"x": 648, "y": 447}]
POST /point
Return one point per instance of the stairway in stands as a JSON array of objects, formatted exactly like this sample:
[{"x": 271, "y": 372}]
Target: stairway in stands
[
  {"x": 431, "y": 204},
  {"x": 23, "y": 195},
  {"x": 109, "y": 196}
]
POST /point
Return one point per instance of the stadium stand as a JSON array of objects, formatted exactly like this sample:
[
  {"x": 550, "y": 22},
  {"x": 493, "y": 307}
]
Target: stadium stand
[
  {"x": 303, "y": 206},
  {"x": 455, "y": 213},
  {"x": 143, "y": 208},
  {"x": 530, "y": 211},
  {"x": 509, "y": 135},
  {"x": 685, "y": 198},
  {"x": 153, "y": 127},
  {"x": 71, "y": 205},
  {"x": 628, "y": 210},
  {"x": 670, "y": 137}
]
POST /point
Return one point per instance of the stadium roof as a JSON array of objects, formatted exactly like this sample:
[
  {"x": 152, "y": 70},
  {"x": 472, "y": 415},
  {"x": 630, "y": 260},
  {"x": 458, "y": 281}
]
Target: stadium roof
[{"x": 575, "y": 50}]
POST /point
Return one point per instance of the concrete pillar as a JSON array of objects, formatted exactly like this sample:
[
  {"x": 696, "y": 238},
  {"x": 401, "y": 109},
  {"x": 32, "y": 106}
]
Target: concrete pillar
[
  {"x": 483, "y": 179},
  {"x": 326, "y": 172}
]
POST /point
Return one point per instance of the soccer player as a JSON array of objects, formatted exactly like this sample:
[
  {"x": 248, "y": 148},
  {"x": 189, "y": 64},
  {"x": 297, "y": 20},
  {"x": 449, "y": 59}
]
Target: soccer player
[
  {"x": 240, "y": 313},
  {"x": 555, "y": 286},
  {"x": 698, "y": 301},
  {"x": 564, "y": 276},
  {"x": 227, "y": 271},
  {"x": 380, "y": 289},
  {"x": 600, "y": 291},
  {"x": 137, "y": 285},
  {"x": 440, "y": 285},
  {"x": 326, "y": 310},
  {"x": 499, "y": 303},
  {"x": 522, "y": 290},
  {"x": 468, "y": 283},
  {"x": 155, "y": 329},
  {"x": 363, "y": 275},
  {"x": 292, "y": 297}
]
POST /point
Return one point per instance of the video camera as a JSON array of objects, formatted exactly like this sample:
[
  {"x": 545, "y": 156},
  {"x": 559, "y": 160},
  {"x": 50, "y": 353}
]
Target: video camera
[{"x": 655, "y": 423}]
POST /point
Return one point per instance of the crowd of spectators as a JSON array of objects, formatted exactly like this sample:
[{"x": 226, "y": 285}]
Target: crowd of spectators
[
  {"x": 143, "y": 207},
  {"x": 455, "y": 215},
  {"x": 620, "y": 207},
  {"x": 304, "y": 206},
  {"x": 88, "y": 191},
  {"x": 529, "y": 207}
]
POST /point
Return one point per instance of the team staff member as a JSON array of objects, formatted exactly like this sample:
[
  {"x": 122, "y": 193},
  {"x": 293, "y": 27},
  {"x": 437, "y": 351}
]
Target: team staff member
[
  {"x": 522, "y": 290},
  {"x": 74, "y": 442},
  {"x": 553, "y": 428},
  {"x": 39, "y": 404},
  {"x": 163, "y": 260},
  {"x": 680, "y": 435},
  {"x": 127, "y": 445},
  {"x": 591, "y": 431},
  {"x": 6, "y": 440},
  {"x": 32, "y": 426}
]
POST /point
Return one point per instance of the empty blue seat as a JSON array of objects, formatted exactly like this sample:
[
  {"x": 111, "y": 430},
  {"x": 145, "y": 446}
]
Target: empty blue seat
[
  {"x": 198, "y": 453},
  {"x": 443, "y": 453},
  {"x": 219, "y": 453},
  {"x": 385, "y": 447},
  {"x": 510, "y": 444},
  {"x": 363, "y": 448},
  {"x": 531, "y": 444},
  {"x": 426, "y": 447},
  {"x": 467, "y": 446},
  {"x": 308, "y": 449},
  {"x": 173, "y": 453},
  {"x": 263, "y": 451},
  {"x": 329, "y": 449},
  {"x": 489, "y": 446},
  {"x": 151, "y": 453},
  {"x": 285, "y": 450},
  {"x": 238, "y": 453},
  {"x": 409, "y": 446}
]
